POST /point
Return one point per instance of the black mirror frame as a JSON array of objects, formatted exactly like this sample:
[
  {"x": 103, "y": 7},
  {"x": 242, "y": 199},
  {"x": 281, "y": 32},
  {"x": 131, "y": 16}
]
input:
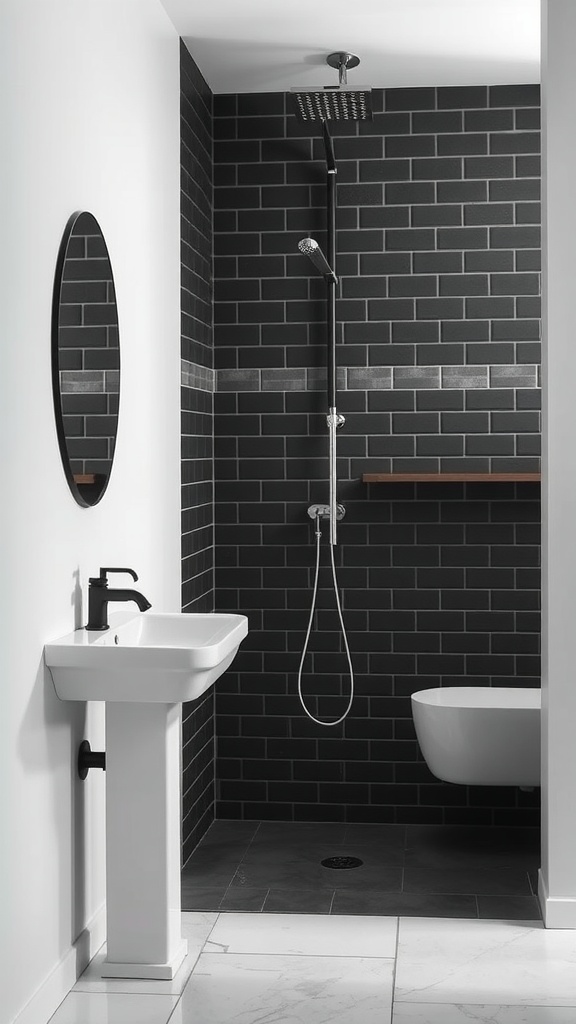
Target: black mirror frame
[{"x": 55, "y": 360}]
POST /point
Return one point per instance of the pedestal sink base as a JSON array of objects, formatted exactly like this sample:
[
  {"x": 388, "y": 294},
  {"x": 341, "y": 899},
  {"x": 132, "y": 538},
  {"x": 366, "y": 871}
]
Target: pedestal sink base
[
  {"x": 156, "y": 972},
  {"x": 143, "y": 848},
  {"x": 144, "y": 666}
]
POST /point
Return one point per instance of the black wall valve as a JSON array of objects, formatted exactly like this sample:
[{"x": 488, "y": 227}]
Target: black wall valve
[{"x": 88, "y": 758}]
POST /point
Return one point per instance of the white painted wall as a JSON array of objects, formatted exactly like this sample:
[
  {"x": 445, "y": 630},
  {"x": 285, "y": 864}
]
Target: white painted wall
[
  {"x": 89, "y": 119},
  {"x": 268, "y": 46},
  {"x": 558, "y": 874}
]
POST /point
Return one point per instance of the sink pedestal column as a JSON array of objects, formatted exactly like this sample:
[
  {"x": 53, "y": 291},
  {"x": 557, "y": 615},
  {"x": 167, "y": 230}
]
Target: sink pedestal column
[{"x": 143, "y": 844}]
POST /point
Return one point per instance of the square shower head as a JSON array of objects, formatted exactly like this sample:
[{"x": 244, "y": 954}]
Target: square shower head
[{"x": 333, "y": 103}]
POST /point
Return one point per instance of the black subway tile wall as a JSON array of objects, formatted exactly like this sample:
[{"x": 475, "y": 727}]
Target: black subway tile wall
[
  {"x": 197, "y": 430},
  {"x": 438, "y": 370}
]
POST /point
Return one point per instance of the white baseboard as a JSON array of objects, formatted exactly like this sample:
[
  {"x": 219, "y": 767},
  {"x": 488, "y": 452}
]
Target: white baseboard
[
  {"x": 557, "y": 911},
  {"x": 65, "y": 974}
]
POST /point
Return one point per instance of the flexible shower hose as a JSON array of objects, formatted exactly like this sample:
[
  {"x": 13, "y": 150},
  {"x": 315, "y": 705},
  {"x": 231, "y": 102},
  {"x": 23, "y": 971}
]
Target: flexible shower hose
[{"x": 319, "y": 721}]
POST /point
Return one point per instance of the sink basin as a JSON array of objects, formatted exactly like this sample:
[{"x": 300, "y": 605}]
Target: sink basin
[{"x": 145, "y": 656}]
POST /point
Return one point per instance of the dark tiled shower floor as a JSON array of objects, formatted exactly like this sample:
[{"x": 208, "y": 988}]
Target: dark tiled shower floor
[{"x": 412, "y": 870}]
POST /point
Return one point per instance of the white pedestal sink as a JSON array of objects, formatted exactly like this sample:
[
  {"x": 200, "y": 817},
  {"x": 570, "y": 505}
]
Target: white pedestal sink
[{"x": 144, "y": 666}]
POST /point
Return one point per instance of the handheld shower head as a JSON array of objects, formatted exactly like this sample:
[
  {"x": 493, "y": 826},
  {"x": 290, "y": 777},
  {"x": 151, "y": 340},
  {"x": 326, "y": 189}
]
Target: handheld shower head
[
  {"x": 335, "y": 102},
  {"x": 311, "y": 249}
]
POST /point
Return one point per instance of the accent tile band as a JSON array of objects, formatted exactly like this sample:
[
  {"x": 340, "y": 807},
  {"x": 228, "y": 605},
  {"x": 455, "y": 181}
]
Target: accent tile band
[
  {"x": 378, "y": 378},
  {"x": 195, "y": 376}
]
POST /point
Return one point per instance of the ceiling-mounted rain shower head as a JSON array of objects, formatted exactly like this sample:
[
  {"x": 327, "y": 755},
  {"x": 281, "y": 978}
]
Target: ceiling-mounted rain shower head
[{"x": 335, "y": 102}]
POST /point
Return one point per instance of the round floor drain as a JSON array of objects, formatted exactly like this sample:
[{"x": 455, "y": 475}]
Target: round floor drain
[{"x": 340, "y": 863}]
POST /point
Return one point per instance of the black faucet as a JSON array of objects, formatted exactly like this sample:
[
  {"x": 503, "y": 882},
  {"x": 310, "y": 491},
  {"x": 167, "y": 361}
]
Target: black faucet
[{"x": 99, "y": 595}]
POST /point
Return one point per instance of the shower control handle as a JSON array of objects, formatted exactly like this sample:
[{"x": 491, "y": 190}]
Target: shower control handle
[{"x": 323, "y": 512}]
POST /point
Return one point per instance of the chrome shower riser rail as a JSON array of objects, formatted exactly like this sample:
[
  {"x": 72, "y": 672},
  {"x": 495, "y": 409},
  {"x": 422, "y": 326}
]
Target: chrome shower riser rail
[
  {"x": 331, "y": 289},
  {"x": 334, "y": 420}
]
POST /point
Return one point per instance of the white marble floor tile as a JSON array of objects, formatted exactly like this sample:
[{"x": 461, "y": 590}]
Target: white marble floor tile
[
  {"x": 196, "y": 928},
  {"x": 245, "y": 989},
  {"x": 477, "y": 962},
  {"x": 441, "y": 1013},
  {"x": 304, "y": 934},
  {"x": 114, "y": 1008}
]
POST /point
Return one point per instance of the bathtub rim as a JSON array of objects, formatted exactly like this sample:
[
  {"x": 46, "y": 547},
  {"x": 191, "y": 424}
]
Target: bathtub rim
[{"x": 503, "y": 698}]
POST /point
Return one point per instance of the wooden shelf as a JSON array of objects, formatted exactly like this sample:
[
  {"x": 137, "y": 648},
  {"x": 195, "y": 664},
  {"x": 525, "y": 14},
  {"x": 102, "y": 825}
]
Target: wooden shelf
[{"x": 440, "y": 478}]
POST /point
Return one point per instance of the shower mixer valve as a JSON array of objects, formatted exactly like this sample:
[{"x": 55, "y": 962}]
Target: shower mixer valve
[{"x": 323, "y": 512}]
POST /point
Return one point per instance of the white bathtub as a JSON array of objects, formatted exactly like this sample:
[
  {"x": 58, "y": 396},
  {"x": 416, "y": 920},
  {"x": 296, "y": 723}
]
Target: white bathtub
[{"x": 480, "y": 735}]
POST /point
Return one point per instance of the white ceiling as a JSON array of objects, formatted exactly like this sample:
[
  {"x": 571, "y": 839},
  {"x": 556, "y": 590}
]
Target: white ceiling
[{"x": 271, "y": 45}]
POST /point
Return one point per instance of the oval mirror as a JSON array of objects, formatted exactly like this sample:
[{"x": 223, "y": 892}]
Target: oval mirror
[{"x": 85, "y": 358}]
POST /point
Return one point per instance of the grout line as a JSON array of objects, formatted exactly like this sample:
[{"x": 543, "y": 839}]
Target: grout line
[
  {"x": 261, "y": 911},
  {"x": 394, "y": 969},
  {"x": 179, "y": 1000}
]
